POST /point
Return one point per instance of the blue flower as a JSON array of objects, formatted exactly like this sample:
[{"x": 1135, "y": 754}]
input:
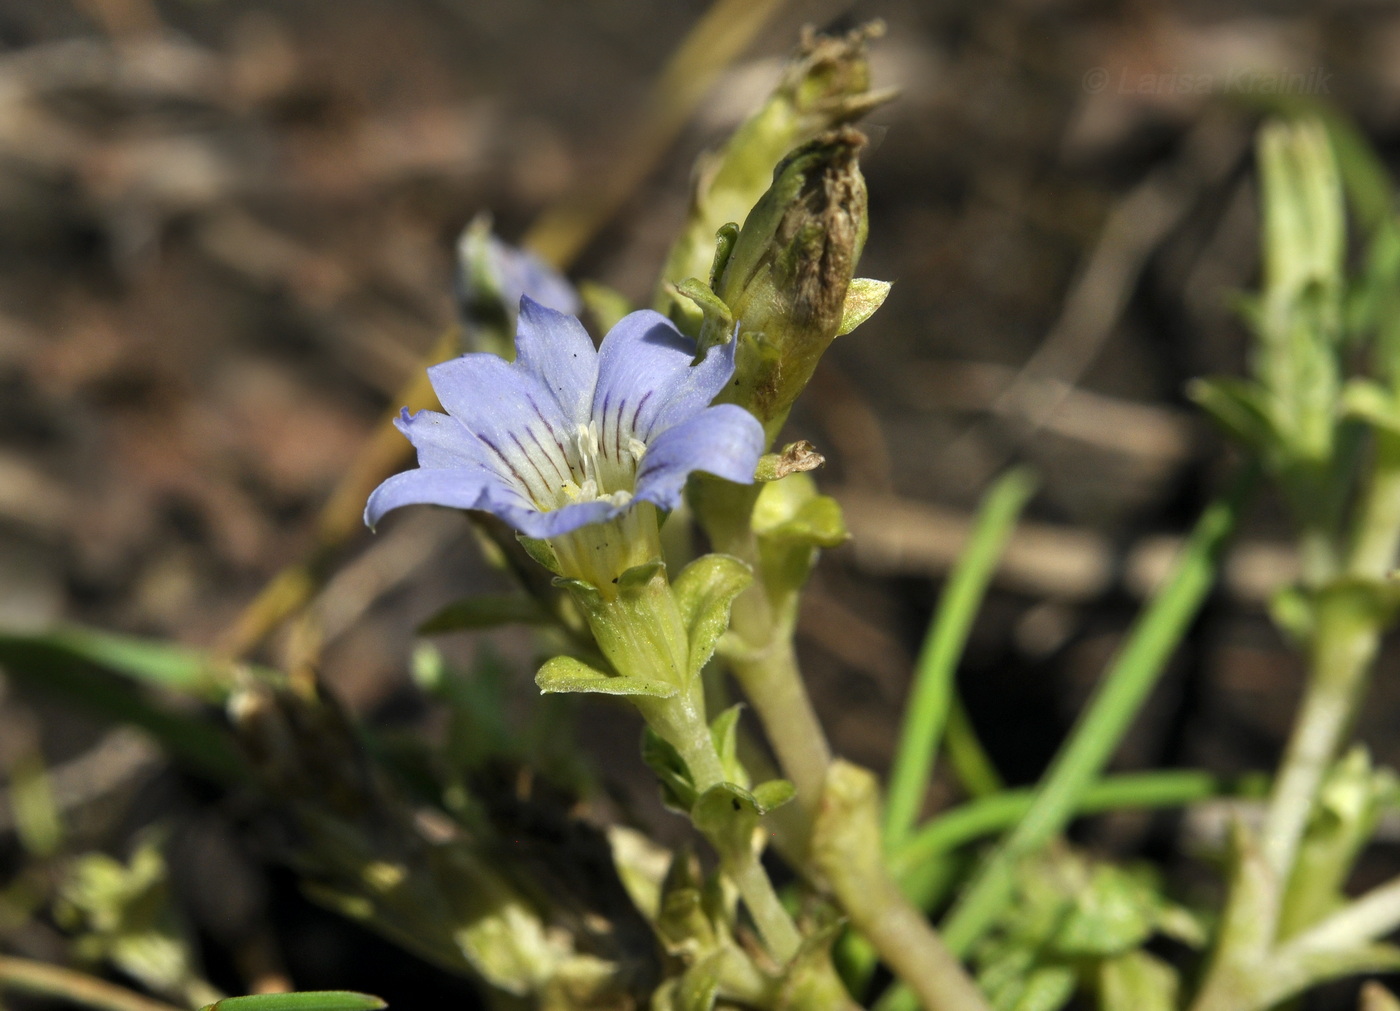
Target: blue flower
[
  {"x": 567, "y": 436},
  {"x": 509, "y": 273}
]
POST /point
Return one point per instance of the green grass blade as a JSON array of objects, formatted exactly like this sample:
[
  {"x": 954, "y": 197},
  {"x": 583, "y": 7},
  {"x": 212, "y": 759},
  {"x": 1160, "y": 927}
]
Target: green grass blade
[
  {"x": 56, "y": 666},
  {"x": 1117, "y": 701},
  {"x": 930, "y": 699},
  {"x": 968, "y": 759},
  {"x": 309, "y": 1000},
  {"x": 992, "y": 814}
]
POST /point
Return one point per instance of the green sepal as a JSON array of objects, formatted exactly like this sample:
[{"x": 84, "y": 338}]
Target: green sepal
[
  {"x": 725, "y": 238},
  {"x": 485, "y": 611},
  {"x": 309, "y": 1000},
  {"x": 587, "y": 595},
  {"x": 819, "y": 523},
  {"x": 569, "y": 674},
  {"x": 724, "y": 731},
  {"x": 606, "y": 305},
  {"x": 727, "y": 814},
  {"x": 541, "y": 552},
  {"x": 718, "y": 325},
  {"x": 863, "y": 297},
  {"x": 792, "y": 510},
  {"x": 638, "y": 576},
  {"x": 796, "y": 458},
  {"x": 705, "y": 591},
  {"x": 677, "y": 785},
  {"x": 773, "y": 794}
]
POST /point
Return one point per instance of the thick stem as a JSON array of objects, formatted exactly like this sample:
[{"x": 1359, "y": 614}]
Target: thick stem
[
  {"x": 1344, "y": 644},
  {"x": 773, "y": 683},
  {"x": 1373, "y": 555},
  {"x": 768, "y": 671},
  {"x": 848, "y": 851}
]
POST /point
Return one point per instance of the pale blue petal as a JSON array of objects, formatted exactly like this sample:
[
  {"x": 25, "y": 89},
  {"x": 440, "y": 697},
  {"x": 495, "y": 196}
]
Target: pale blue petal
[
  {"x": 441, "y": 440},
  {"x": 523, "y": 273},
  {"x": 509, "y": 410},
  {"x": 457, "y": 488},
  {"x": 724, "y": 440},
  {"x": 646, "y": 383},
  {"x": 533, "y": 523},
  {"x": 558, "y": 351}
]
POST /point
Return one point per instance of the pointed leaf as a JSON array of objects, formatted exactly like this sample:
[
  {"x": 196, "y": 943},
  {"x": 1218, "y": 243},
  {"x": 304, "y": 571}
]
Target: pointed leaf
[
  {"x": 705, "y": 591},
  {"x": 773, "y": 794},
  {"x": 568, "y": 674},
  {"x": 863, "y": 297},
  {"x": 724, "y": 731}
]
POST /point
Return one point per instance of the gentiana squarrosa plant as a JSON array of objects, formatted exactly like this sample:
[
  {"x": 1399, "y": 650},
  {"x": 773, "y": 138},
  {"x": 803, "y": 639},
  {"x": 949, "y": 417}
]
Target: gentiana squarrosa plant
[{"x": 585, "y": 470}]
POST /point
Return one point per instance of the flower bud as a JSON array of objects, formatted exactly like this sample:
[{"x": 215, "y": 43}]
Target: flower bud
[{"x": 786, "y": 278}]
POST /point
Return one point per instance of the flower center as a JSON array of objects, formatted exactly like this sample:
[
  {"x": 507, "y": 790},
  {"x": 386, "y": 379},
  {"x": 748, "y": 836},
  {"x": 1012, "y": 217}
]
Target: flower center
[{"x": 601, "y": 469}]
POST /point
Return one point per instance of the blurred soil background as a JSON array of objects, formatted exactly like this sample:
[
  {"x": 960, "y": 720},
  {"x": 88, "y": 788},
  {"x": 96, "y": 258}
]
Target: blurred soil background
[{"x": 226, "y": 241}]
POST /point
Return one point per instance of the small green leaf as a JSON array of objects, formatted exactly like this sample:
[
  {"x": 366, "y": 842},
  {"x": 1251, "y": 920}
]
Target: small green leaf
[
  {"x": 677, "y": 785},
  {"x": 727, "y": 814},
  {"x": 486, "y": 611},
  {"x": 309, "y": 1000},
  {"x": 863, "y": 297},
  {"x": 705, "y": 591},
  {"x": 773, "y": 794},
  {"x": 718, "y": 327},
  {"x": 568, "y": 674},
  {"x": 724, "y": 730},
  {"x": 541, "y": 552}
]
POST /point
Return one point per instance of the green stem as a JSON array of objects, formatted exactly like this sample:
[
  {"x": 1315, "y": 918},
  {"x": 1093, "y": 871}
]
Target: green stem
[
  {"x": 55, "y": 981},
  {"x": 773, "y": 683},
  {"x": 1345, "y": 637},
  {"x": 927, "y": 712},
  {"x": 1373, "y": 555},
  {"x": 1125, "y": 687},
  {"x": 644, "y": 636}
]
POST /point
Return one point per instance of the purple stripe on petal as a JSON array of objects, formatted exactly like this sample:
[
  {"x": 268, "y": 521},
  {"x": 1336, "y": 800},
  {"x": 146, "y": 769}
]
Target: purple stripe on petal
[
  {"x": 645, "y": 354},
  {"x": 557, "y": 350},
  {"x": 724, "y": 440}
]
